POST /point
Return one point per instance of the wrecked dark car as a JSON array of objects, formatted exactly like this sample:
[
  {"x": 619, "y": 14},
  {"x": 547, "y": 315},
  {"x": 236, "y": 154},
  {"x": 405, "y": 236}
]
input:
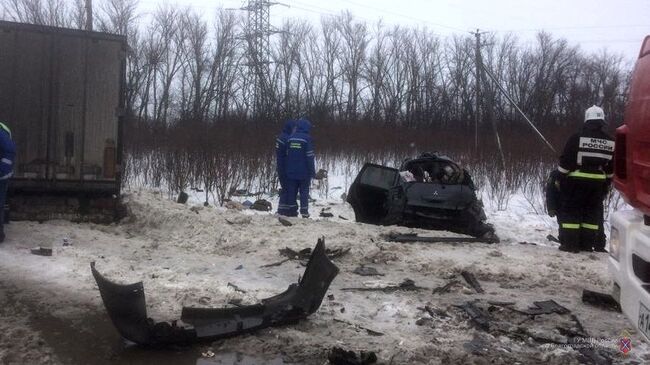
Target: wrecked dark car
[
  {"x": 126, "y": 307},
  {"x": 430, "y": 192}
]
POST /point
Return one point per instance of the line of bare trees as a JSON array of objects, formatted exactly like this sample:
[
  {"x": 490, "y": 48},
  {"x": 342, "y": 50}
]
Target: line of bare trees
[
  {"x": 182, "y": 64},
  {"x": 373, "y": 90}
]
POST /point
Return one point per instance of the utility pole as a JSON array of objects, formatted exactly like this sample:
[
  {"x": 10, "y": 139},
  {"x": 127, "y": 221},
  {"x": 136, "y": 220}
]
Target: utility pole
[
  {"x": 257, "y": 35},
  {"x": 89, "y": 15},
  {"x": 479, "y": 72}
]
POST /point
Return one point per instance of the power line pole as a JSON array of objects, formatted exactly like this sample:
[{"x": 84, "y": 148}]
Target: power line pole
[
  {"x": 479, "y": 72},
  {"x": 89, "y": 15},
  {"x": 257, "y": 35}
]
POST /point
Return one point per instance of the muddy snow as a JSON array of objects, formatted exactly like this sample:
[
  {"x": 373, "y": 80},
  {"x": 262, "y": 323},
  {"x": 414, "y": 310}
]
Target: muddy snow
[{"x": 190, "y": 255}]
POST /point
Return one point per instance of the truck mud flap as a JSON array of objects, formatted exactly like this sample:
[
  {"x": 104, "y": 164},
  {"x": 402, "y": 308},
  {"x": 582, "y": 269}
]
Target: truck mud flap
[{"x": 126, "y": 307}]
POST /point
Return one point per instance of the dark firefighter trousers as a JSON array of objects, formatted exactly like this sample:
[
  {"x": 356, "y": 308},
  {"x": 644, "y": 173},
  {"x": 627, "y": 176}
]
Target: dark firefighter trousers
[{"x": 581, "y": 215}]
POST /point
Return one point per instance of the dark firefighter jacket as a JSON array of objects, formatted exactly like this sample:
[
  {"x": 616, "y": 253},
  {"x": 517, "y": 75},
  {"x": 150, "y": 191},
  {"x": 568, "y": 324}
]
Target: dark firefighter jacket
[
  {"x": 588, "y": 152},
  {"x": 300, "y": 153}
]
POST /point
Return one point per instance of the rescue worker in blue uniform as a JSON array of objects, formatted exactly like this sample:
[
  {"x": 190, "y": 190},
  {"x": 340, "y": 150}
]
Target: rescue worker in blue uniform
[
  {"x": 7, "y": 156},
  {"x": 281, "y": 156},
  {"x": 586, "y": 169},
  {"x": 300, "y": 168}
]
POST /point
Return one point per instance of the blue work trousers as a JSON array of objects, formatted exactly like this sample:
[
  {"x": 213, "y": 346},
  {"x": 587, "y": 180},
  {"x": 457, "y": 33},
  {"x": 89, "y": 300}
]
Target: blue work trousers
[{"x": 295, "y": 188}]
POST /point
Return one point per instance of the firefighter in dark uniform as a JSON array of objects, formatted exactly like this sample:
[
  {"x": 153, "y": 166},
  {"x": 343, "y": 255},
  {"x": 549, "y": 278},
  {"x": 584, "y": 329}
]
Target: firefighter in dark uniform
[{"x": 586, "y": 169}]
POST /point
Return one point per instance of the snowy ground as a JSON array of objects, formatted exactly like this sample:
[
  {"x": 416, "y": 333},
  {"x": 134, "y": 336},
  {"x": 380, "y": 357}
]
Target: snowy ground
[{"x": 51, "y": 312}]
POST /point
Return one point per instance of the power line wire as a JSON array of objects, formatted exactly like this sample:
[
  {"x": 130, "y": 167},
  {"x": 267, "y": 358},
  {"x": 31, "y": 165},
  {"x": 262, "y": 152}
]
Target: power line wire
[{"x": 405, "y": 16}]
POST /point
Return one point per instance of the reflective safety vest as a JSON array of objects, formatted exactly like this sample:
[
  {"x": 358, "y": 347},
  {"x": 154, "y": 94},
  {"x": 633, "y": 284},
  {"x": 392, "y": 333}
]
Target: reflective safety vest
[{"x": 5, "y": 128}]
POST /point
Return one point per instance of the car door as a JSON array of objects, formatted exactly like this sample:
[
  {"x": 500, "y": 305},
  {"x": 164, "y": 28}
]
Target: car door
[{"x": 375, "y": 195}]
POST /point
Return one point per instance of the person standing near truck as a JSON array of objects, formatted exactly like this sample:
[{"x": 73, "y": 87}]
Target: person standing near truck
[
  {"x": 586, "y": 169},
  {"x": 7, "y": 155},
  {"x": 300, "y": 167}
]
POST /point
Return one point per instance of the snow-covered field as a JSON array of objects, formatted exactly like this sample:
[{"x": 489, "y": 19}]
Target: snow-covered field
[{"x": 51, "y": 312}]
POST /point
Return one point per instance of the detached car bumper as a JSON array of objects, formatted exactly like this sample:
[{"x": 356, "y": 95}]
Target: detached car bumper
[{"x": 126, "y": 307}]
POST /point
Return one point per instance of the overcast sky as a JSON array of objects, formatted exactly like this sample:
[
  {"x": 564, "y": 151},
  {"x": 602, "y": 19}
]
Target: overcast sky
[{"x": 619, "y": 25}]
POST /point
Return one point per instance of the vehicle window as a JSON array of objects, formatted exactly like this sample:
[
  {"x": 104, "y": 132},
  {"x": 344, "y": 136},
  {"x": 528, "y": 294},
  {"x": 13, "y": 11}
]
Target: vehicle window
[{"x": 378, "y": 177}]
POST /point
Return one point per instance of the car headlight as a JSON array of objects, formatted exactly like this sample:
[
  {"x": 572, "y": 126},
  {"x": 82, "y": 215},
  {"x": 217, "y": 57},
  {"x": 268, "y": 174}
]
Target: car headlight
[{"x": 614, "y": 244}]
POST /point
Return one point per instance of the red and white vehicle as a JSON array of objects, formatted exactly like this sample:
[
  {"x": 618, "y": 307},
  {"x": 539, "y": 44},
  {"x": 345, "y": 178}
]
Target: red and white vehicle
[{"x": 629, "y": 261}]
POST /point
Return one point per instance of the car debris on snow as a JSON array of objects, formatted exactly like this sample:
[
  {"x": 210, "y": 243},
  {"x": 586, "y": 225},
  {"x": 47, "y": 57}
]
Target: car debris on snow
[
  {"x": 367, "y": 271},
  {"x": 414, "y": 237},
  {"x": 284, "y": 221},
  {"x": 369, "y": 331},
  {"x": 305, "y": 253},
  {"x": 434, "y": 312},
  {"x": 476, "y": 315},
  {"x": 545, "y": 307},
  {"x": 41, "y": 251},
  {"x": 445, "y": 288},
  {"x": 406, "y": 285},
  {"x": 472, "y": 281},
  {"x": 239, "y": 220},
  {"x": 126, "y": 308},
  {"x": 601, "y": 300},
  {"x": 339, "y": 356}
]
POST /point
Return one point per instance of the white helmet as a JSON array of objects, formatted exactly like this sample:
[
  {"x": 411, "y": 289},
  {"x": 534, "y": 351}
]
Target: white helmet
[{"x": 594, "y": 113}]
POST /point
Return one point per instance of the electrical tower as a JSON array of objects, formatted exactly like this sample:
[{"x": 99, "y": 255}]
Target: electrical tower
[{"x": 259, "y": 53}]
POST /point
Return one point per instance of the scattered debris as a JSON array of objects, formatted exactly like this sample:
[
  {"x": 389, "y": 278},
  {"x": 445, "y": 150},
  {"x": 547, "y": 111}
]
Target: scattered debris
[
  {"x": 338, "y": 356},
  {"x": 477, "y": 315},
  {"x": 306, "y": 252},
  {"x": 424, "y": 322},
  {"x": 239, "y": 267},
  {"x": 126, "y": 307},
  {"x": 552, "y": 238},
  {"x": 445, "y": 288},
  {"x": 478, "y": 346},
  {"x": 367, "y": 271},
  {"x": 471, "y": 280},
  {"x": 196, "y": 208},
  {"x": 527, "y": 243},
  {"x": 285, "y": 222},
  {"x": 601, "y": 300},
  {"x": 236, "y": 288},
  {"x": 239, "y": 220},
  {"x": 66, "y": 242},
  {"x": 42, "y": 251},
  {"x": 325, "y": 214},
  {"x": 434, "y": 312},
  {"x": 275, "y": 263},
  {"x": 342, "y": 217},
  {"x": 413, "y": 237},
  {"x": 330, "y": 297},
  {"x": 368, "y": 330},
  {"x": 406, "y": 285},
  {"x": 247, "y": 204},
  {"x": 500, "y": 304},
  {"x": 262, "y": 205},
  {"x": 545, "y": 307}
]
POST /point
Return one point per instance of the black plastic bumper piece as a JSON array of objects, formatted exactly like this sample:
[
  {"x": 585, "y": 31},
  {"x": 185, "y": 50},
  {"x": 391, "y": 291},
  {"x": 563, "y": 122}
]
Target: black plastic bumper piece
[{"x": 126, "y": 307}]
